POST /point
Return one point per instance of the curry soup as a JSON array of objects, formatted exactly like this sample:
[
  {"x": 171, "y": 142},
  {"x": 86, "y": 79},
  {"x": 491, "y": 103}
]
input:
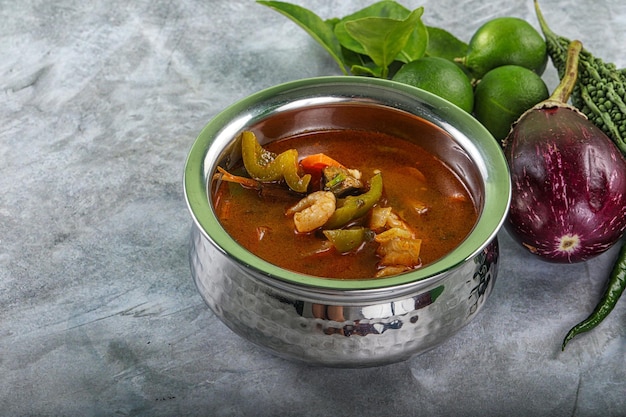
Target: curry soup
[{"x": 422, "y": 190}]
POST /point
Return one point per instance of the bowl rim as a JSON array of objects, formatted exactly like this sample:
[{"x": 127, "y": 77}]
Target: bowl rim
[{"x": 497, "y": 188}]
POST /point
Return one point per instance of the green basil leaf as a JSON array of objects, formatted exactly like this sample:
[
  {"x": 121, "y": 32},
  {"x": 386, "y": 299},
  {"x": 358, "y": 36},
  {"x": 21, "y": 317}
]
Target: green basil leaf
[
  {"x": 367, "y": 70},
  {"x": 383, "y": 38},
  {"x": 351, "y": 58},
  {"x": 443, "y": 44},
  {"x": 385, "y": 8},
  {"x": 415, "y": 47},
  {"x": 314, "y": 25}
]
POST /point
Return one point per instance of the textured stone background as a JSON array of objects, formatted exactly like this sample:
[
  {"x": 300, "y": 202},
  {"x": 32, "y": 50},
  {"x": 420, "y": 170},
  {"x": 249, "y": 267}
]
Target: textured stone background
[{"x": 99, "y": 104}]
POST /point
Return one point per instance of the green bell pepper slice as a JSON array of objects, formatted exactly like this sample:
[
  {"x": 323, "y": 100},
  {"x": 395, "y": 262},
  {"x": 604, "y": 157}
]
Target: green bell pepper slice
[
  {"x": 263, "y": 165},
  {"x": 345, "y": 240},
  {"x": 353, "y": 207}
]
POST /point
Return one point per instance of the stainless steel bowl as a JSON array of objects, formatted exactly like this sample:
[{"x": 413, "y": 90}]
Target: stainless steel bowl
[{"x": 347, "y": 323}]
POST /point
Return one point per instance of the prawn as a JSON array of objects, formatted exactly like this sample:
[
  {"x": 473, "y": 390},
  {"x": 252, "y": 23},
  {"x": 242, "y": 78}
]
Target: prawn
[
  {"x": 383, "y": 218},
  {"x": 312, "y": 211},
  {"x": 398, "y": 248}
]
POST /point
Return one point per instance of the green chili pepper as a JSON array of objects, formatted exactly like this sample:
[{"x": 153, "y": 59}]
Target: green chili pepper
[
  {"x": 336, "y": 180},
  {"x": 615, "y": 288},
  {"x": 263, "y": 165},
  {"x": 345, "y": 240},
  {"x": 354, "y": 207}
]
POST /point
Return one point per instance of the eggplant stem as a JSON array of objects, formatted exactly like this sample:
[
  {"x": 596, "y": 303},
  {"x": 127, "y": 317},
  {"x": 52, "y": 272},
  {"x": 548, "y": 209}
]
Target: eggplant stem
[
  {"x": 563, "y": 91},
  {"x": 542, "y": 21}
]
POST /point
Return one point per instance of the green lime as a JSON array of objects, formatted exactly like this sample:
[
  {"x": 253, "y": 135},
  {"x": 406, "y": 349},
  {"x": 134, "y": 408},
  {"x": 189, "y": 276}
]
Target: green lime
[
  {"x": 441, "y": 77},
  {"x": 505, "y": 41},
  {"x": 503, "y": 94}
]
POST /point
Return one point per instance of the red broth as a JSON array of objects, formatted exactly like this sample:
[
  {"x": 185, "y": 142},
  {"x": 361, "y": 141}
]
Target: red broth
[{"x": 420, "y": 187}]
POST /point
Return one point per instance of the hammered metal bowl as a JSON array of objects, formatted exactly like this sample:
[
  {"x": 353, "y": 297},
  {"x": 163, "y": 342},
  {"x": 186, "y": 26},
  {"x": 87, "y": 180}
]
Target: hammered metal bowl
[{"x": 347, "y": 323}]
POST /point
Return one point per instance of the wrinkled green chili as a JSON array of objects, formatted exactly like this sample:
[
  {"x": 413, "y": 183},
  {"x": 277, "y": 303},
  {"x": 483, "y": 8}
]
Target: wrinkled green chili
[
  {"x": 353, "y": 207},
  {"x": 263, "y": 165},
  {"x": 615, "y": 288}
]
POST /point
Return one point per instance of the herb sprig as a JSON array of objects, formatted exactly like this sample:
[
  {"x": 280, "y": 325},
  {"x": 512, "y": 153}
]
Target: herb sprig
[{"x": 370, "y": 41}]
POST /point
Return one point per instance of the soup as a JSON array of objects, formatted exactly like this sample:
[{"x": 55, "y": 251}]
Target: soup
[{"x": 423, "y": 193}]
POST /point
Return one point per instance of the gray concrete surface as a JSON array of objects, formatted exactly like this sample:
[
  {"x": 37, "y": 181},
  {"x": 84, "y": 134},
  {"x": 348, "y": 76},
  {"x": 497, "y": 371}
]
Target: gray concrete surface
[{"x": 100, "y": 102}]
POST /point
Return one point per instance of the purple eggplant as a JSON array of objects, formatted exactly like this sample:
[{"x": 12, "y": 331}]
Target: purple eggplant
[{"x": 569, "y": 179}]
